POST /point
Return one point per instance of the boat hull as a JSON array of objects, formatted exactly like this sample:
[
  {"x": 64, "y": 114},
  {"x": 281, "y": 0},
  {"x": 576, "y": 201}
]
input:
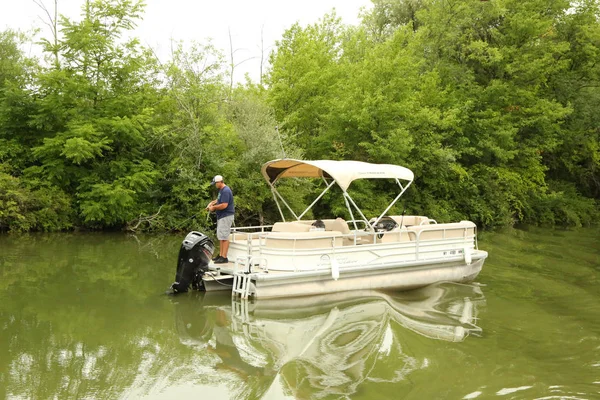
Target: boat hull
[{"x": 404, "y": 276}]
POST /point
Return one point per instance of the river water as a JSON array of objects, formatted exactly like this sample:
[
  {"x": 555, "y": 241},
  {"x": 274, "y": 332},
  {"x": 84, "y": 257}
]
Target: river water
[{"x": 83, "y": 316}]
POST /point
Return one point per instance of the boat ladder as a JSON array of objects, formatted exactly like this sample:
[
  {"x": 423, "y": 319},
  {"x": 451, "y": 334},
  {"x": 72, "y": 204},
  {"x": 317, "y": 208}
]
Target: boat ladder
[
  {"x": 242, "y": 322},
  {"x": 241, "y": 284},
  {"x": 240, "y": 312}
]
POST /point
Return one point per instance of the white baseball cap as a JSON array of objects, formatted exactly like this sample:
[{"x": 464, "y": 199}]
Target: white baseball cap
[{"x": 217, "y": 178}]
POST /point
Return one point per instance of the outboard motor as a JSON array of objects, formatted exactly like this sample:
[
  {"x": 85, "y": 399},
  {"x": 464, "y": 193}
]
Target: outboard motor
[{"x": 195, "y": 254}]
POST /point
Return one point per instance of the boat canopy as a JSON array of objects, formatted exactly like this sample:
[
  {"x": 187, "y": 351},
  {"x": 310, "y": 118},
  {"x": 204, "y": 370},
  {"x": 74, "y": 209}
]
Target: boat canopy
[{"x": 342, "y": 172}]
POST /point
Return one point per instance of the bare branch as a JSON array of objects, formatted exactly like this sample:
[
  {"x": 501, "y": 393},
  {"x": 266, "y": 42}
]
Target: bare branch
[
  {"x": 52, "y": 24},
  {"x": 141, "y": 219}
]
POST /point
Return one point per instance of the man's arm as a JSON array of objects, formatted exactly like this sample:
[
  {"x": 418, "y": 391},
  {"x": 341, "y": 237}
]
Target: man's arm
[
  {"x": 218, "y": 207},
  {"x": 226, "y": 197}
]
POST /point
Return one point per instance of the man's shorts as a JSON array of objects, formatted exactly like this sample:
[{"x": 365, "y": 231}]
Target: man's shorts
[{"x": 224, "y": 227}]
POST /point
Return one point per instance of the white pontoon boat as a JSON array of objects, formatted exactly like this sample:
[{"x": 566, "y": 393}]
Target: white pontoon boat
[{"x": 291, "y": 258}]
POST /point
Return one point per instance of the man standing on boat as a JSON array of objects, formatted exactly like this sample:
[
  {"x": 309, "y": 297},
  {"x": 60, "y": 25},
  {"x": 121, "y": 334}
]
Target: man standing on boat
[{"x": 225, "y": 210}]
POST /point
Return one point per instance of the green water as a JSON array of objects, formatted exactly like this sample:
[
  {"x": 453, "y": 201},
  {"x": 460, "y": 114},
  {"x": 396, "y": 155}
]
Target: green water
[{"x": 82, "y": 316}]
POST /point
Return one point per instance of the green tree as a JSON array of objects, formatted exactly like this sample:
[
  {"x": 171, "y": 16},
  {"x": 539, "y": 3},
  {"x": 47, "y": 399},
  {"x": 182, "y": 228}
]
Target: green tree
[
  {"x": 93, "y": 110},
  {"x": 304, "y": 72},
  {"x": 463, "y": 93},
  {"x": 192, "y": 136},
  {"x": 24, "y": 204},
  {"x": 576, "y": 158},
  {"x": 260, "y": 141}
]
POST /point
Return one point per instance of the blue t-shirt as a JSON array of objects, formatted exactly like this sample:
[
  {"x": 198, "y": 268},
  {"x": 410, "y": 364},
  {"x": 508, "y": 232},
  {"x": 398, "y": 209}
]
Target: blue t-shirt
[{"x": 225, "y": 196}]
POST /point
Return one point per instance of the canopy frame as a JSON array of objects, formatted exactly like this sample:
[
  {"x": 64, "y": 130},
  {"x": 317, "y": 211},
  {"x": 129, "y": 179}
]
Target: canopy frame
[{"x": 341, "y": 172}]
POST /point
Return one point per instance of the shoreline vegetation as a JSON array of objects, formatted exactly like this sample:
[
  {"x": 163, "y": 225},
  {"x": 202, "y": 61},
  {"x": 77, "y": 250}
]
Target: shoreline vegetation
[{"x": 493, "y": 104}]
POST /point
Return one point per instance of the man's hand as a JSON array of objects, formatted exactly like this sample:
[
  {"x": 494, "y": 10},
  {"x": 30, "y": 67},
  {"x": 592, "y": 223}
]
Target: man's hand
[
  {"x": 210, "y": 205},
  {"x": 221, "y": 206}
]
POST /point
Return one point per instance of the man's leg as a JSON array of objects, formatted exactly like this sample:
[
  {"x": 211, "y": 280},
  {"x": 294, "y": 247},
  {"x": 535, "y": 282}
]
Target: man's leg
[
  {"x": 223, "y": 231},
  {"x": 217, "y": 233},
  {"x": 223, "y": 248}
]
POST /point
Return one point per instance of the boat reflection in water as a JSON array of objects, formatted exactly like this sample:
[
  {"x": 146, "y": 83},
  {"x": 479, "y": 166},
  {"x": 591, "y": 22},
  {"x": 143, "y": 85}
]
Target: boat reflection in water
[{"x": 331, "y": 344}]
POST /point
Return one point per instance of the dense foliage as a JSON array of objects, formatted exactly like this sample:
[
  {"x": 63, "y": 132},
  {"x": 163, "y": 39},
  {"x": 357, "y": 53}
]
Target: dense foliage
[{"x": 493, "y": 105}]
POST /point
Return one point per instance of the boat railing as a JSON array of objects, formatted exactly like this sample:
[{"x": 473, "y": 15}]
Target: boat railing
[
  {"x": 423, "y": 242},
  {"x": 443, "y": 231},
  {"x": 245, "y": 263},
  {"x": 260, "y": 228},
  {"x": 302, "y": 240},
  {"x": 421, "y": 233},
  {"x": 258, "y": 235},
  {"x": 241, "y": 234}
]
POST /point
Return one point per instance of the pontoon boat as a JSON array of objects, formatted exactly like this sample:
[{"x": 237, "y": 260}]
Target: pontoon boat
[{"x": 291, "y": 258}]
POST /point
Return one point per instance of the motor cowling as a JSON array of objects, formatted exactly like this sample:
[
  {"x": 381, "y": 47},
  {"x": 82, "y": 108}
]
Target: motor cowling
[{"x": 194, "y": 256}]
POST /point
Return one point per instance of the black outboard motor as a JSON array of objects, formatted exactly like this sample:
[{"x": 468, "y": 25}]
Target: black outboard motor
[{"x": 195, "y": 254}]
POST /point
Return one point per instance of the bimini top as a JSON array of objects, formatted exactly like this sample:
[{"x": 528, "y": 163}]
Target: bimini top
[{"x": 343, "y": 172}]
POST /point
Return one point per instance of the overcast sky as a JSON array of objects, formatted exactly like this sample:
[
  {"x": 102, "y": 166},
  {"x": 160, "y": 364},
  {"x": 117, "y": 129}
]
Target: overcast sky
[{"x": 201, "y": 19}]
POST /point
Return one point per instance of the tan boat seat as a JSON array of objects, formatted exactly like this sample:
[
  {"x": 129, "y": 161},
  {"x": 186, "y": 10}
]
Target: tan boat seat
[
  {"x": 237, "y": 237},
  {"x": 243, "y": 237},
  {"x": 410, "y": 220},
  {"x": 395, "y": 236},
  {"x": 444, "y": 231},
  {"x": 337, "y": 224},
  {"x": 304, "y": 240},
  {"x": 292, "y": 226}
]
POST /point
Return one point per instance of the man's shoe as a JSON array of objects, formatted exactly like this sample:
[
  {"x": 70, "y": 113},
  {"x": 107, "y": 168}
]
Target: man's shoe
[
  {"x": 216, "y": 258},
  {"x": 222, "y": 260}
]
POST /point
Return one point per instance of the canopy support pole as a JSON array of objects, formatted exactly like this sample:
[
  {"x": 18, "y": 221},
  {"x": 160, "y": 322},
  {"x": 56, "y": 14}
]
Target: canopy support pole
[
  {"x": 347, "y": 196},
  {"x": 277, "y": 202},
  {"x": 317, "y": 199},
  {"x": 284, "y": 202},
  {"x": 394, "y": 201},
  {"x": 351, "y": 213}
]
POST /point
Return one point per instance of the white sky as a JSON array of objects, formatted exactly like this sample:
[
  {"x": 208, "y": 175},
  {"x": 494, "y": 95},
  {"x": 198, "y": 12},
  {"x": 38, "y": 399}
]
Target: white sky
[{"x": 201, "y": 19}]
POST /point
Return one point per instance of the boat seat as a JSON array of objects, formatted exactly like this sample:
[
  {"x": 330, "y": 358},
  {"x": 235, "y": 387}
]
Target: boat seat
[
  {"x": 337, "y": 224},
  {"x": 395, "y": 236},
  {"x": 362, "y": 237},
  {"x": 237, "y": 237},
  {"x": 243, "y": 237},
  {"x": 331, "y": 225},
  {"x": 410, "y": 220},
  {"x": 292, "y": 226},
  {"x": 443, "y": 231},
  {"x": 304, "y": 240}
]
